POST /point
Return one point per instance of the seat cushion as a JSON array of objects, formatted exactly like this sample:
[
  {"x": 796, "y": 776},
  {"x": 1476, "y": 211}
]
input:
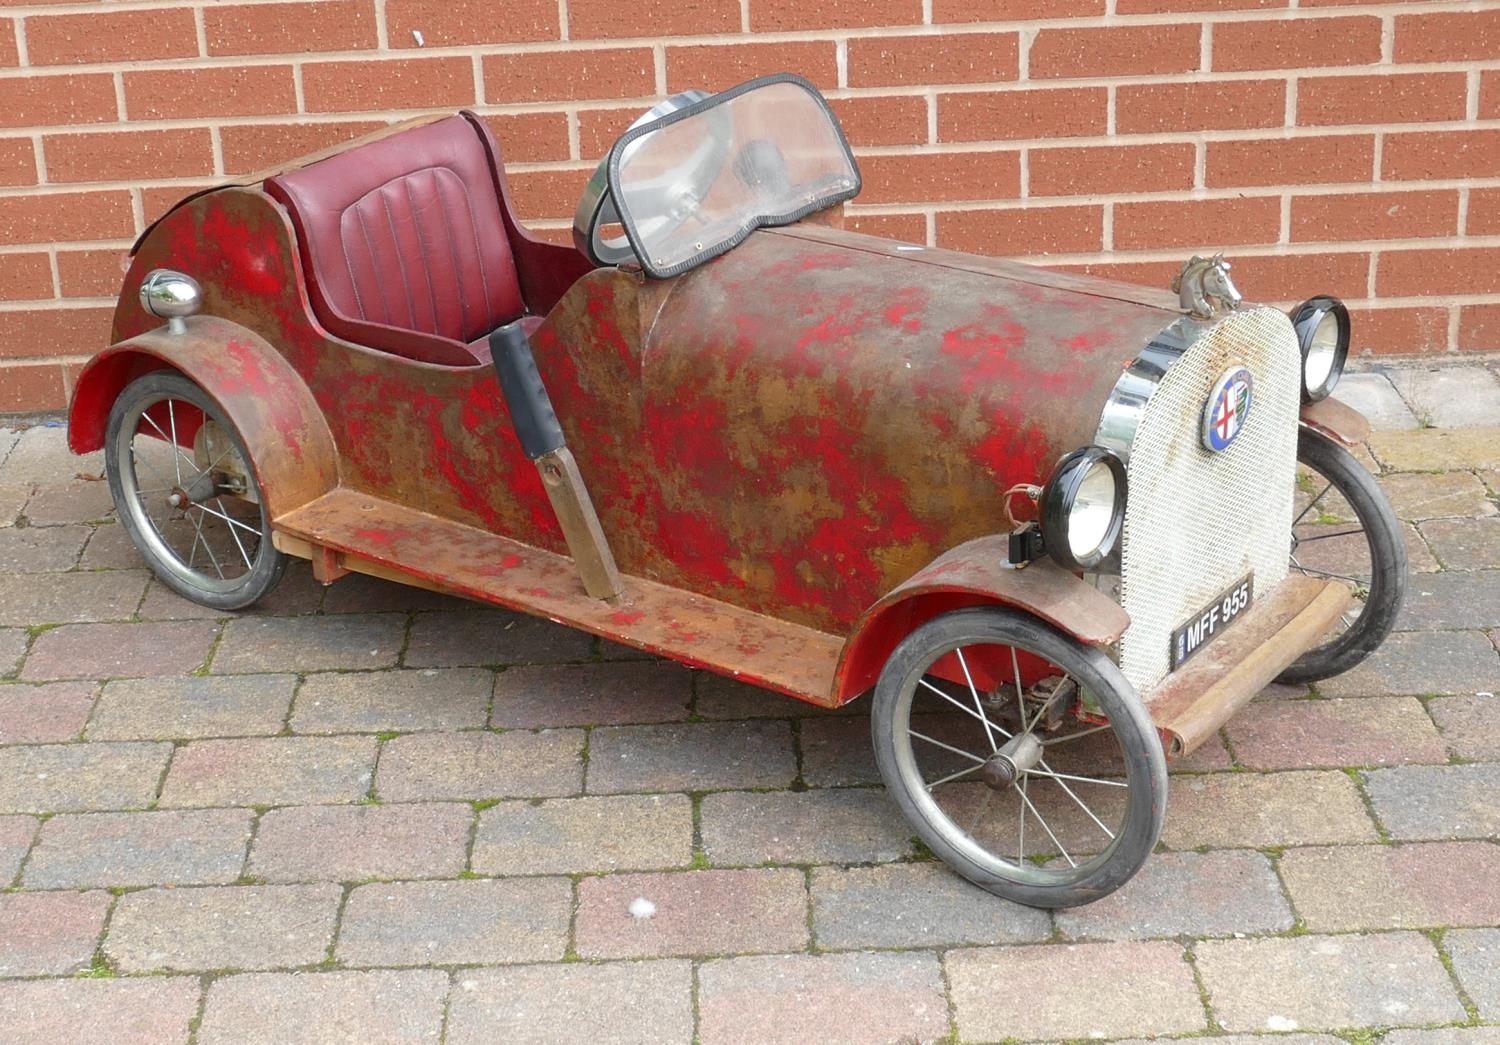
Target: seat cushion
[{"x": 406, "y": 234}]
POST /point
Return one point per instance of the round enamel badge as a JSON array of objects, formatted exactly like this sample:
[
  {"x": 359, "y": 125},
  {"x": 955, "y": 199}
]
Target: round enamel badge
[{"x": 1227, "y": 408}]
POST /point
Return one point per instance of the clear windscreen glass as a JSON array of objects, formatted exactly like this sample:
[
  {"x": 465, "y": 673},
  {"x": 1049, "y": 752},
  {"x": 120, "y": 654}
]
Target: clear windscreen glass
[{"x": 695, "y": 184}]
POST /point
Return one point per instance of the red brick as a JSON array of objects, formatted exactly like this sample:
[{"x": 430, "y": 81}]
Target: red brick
[
  {"x": 401, "y": 83},
  {"x": 1418, "y": 273},
  {"x": 1295, "y": 43},
  {"x": 25, "y": 277},
  {"x": 1375, "y": 215},
  {"x": 111, "y": 36},
  {"x": 612, "y": 73},
  {"x": 714, "y": 67},
  {"x": 540, "y": 195},
  {"x": 41, "y": 101},
  {"x": 1155, "y": 274},
  {"x": 1115, "y": 51},
  {"x": 531, "y": 137},
  {"x": 1291, "y": 161},
  {"x": 599, "y": 129},
  {"x": 255, "y": 90},
  {"x": 1203, "y": 225},
  {"x": 1346, "y": 3},
  {"x": 322, "y": 25},
  {"x": 1384, "y": 99},
  {"x": 1393, "y": 331},
  {"x": 1457, "y": 36},
  {"x": 882, "y": 119},
  {"x": 1420, "y": 155},
  {"x": 71, "y": 331},
  {"x": 892, "y": 61},
  {"x": 1489, "y": 94},
  {"x": 1000, "y": 115},
  {"x": 1484, "y": 213},
  {"x": 157, "y": 200},
  {"x": 17, "y": 162},
  {"x": 257, "y": 146},
  {"x": 938, "y": 177},
  {"x": 60, "y": 216},
  {"x": 91, "y": 273},
  {"x": 1012, "y": 10},
  {"x": 1222, "y": 105},
  {"x": 906, "y": 228},
  {"x": 9, "y": 53},
  {"x": 775, "y": 16},
  {"x": 652, "y": 18},
  {"x": 464, "y": 23},
  {"x": 129, "y": 155},
  {"x": 1297, "y": 277},
  {"x": 31, "y": 388},
  {"x": 1111, "y": 169},
  {"x": 1151, "y": 7},
  {"x": 1023, "y": 231},
  {"x": 1479, "y": 328}
]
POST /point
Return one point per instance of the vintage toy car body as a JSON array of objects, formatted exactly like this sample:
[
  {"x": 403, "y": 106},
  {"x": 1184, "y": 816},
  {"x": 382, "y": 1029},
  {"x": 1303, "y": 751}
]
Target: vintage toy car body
[{"x": 790, "y": 453}]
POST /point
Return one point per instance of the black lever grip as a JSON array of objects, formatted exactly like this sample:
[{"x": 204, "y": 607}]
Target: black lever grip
[{"x": 530, "y": 407}]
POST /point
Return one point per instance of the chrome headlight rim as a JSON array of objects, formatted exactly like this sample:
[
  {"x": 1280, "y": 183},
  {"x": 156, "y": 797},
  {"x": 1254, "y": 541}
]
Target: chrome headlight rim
[
  {"x": 1306, "y": 320},
  {"x": 1060, "y": 497}
]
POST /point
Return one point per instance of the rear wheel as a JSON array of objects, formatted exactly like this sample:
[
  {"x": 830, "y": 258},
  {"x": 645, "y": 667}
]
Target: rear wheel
[
  {"x": 1023, "y": 758},
  {"x": 187, "y": 495}
]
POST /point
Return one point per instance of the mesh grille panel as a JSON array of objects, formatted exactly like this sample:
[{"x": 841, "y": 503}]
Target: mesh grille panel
[{"x": 1196, "y": 521}]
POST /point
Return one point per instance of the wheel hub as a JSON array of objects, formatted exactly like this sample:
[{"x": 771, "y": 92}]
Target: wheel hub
[
  {"x": 195, "y": 491},
  {"x": 1005, "y": 766}
]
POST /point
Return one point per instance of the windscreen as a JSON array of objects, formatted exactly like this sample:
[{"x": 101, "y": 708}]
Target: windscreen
[{"x": 694, "y": 184}]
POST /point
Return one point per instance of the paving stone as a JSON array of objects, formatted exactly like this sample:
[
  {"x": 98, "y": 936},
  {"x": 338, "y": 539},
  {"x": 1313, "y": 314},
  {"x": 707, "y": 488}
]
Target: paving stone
[
  {"x": 99, "y": 651},
  {"x": 195, "y": 706},
  {"x": 1452, "y": 601},
  {"x": 29, "y": 599},
  {"x": 63, "y": 778},
  {"x": 8, "y": 439},
  {"x": 466, "y": 638},
  {"x": 346, "y": 641},
  {"x": 1450, "y": 397},
  {"x": 1375, "y": 397},
  {"x": 350, "y": 843},
  {"x": 1464, "y": 544},
  {"x": 833, "y": 999},
  {"x": 1132, "y": 988},
  {"x": 591, "y": 694},
  {"x": 914, "y": 905},
  {"x": 50, "y": 933},
  {"x": 1419, "y": 556},
  {"x": 581, "y": 835},
  {"x": 298, "y": 593},
  {"x": 161, "y": 603},
  {"x": 837, "y": 752},
  {"x": 12, "y": 500},
  {"x": 41, "y": 455},
  {"x": 1247, "y": 1039},
  {"x": 44, "y": 714},
  {"x": 1419, "y": 496},
  {"x": 618, "y": 651},
  {"x": 226, "y": 927},
  {"x": 16, "y": 835},
  {"x": 110, "y": 548},
  {"x": 1253, "y": 810},
  {"x": 1326, "y": 982},
  {"x": 75, "y": 502},
  {"x": 270, "y": 771},
  {"x": 723, "y": 698},
  {"x": 697, "y": 913},
  {"x": 1437, "y": 802},
  {"x": 372, "y": 1008},
  {"x": 41, "y": 549},
  {"x": 1443, "y": 1036},
  {"x": 194, "y": 847},
  {"x": 691, "y": 756},
  {"x": 1426, "y": 885},
  {"x": 844, "y": 825},
  {"x": 1475, "y": 954},
  {"x": 1470, "y": 724},
  {"x": 12, "y": 646},
  {"x": 480, "y": 764},
  {"x": 1357, "y": 731},
  {"x": 361, "y": 593},
  {"x": 482, "y": 922},
  {"x": 1422, "y": 662},
  {"x": 154, "y": 1011},
  {"x": 1186, "y": 894},
  {"x": 371, "y": 702},
  {"x": 617, "y": 1003},
  {"x": 1437, "y": 449},
  {"x": 1491, "y": 479}
]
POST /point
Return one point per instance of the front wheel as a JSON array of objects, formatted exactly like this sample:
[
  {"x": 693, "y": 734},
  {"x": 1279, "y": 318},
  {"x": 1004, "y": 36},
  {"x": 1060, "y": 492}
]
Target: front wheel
[{"x": 1023, "y": 758}]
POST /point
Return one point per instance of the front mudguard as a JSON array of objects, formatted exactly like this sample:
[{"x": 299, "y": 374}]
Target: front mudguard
[{"x": 1339, "y": 421}]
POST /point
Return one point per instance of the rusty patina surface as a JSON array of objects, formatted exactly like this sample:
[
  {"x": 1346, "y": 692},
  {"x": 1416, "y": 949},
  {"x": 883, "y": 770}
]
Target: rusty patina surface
[{"x": 1337, "y": 421}]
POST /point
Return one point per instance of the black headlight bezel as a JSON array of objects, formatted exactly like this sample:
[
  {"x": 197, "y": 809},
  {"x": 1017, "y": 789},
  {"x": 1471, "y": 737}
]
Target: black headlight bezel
[
  {"x": 1305, "y": 319},
  {"x": 1056, "y": 506}
]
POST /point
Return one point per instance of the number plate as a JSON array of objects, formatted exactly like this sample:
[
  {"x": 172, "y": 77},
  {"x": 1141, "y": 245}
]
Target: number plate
[{"x": 1216, "y": 616}]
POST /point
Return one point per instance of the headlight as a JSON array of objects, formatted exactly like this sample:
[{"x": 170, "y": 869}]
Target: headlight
[
  {"x": 1322, "y": 326},
  {"x": 1083, "y": 506}
]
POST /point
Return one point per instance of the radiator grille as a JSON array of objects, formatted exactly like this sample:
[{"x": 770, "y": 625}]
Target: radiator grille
[{"x": 1196, "y": 521}]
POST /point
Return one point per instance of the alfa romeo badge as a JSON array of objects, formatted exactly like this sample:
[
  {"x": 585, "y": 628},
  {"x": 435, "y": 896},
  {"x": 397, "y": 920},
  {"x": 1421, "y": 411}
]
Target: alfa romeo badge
[{"x": 1227, "y": 409}]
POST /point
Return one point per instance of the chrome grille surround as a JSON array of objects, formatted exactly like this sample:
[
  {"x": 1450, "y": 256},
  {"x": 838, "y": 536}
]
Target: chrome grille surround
[{"x": 1195, "y": 520}]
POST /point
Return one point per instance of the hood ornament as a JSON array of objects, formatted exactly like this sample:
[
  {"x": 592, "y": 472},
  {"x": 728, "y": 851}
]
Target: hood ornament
[{"x": 1204, "y": 288}]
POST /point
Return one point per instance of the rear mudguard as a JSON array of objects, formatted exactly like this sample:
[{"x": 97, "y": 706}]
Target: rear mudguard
[
  {"x": 976, "y": 573},
  {"x": 1336, "y": 420},
  {"x": 290, "y": 447}
]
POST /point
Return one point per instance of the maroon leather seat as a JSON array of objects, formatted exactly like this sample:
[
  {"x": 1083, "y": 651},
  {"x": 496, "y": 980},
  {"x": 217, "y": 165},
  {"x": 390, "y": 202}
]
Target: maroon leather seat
[{"x": 408, "y": 242}]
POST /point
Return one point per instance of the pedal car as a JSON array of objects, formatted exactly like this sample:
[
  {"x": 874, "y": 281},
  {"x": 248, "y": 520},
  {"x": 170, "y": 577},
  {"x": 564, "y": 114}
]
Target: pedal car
[{"x": 1061, "y": 528}]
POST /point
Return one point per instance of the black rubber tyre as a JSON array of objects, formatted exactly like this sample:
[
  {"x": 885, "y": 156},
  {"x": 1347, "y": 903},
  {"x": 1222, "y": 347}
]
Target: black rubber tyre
[
  {"x": 255, "y": 566},
  {"x": 1383, "y": 587},
  {"x": 1034, "y": 877}
]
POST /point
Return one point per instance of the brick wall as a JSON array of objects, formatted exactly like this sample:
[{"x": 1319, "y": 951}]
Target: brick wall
[{"x": 1350, "y": 148}]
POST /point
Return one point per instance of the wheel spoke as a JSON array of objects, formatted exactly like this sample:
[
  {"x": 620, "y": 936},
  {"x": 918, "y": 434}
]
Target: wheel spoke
[
  {"x": 198, "y": 528},
  {"x": 232, "y": 524},
  {"x": 958, "y": 704},
  {"x": 1312, "y": 502},
  {"x": 1081, "y": 804},
  {"x": 952, "y": 777},
  {"x": 1328, "y": 536},
  {"x": 946, "y": 747},
  {"x": 1314, "y": 571},
  {"x": 1026, "y": 799},
  {"x": 1074, "y": 736},
  {"x": 1079, "y": 779},
  {"x": 228, "y": 518},
  {"x": 989, "y": 730},
  {"x": 1021, "y": 830}
]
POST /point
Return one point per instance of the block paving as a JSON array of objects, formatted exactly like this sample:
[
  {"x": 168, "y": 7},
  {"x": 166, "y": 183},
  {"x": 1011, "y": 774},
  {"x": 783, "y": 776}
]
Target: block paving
[{"x": 368, "y": 813}]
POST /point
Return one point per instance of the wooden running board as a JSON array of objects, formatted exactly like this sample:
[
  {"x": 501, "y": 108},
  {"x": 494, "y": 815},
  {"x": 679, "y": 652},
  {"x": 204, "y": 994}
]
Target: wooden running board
[{"x": 368, "y": 535}]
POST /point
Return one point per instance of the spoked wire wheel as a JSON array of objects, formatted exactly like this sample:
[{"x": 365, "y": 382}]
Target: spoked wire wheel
[
  {"x": 1023, "y": 758},
  {"x": 1343, "y": 529},
  {"x": 187, "y": 495}
]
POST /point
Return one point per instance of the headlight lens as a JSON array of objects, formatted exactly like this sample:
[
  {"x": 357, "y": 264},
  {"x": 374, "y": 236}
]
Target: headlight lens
[
  {"x": 1322, "y": 326},
  {"x": 1083, "y": 507}
]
